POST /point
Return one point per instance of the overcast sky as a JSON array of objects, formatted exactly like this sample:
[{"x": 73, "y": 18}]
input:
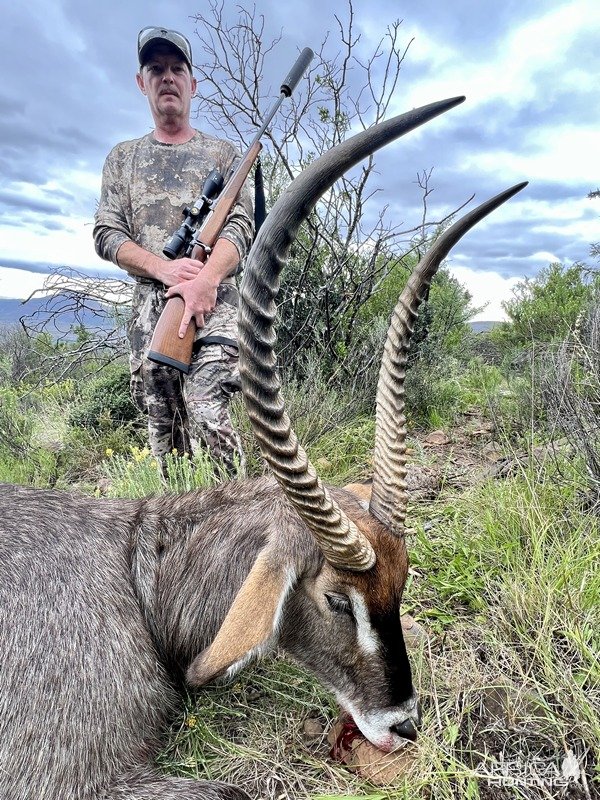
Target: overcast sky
[{"x": 529, "y": 70}]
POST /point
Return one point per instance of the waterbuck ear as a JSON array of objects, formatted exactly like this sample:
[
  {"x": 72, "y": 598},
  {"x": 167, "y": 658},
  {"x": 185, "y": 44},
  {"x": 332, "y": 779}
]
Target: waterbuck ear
[{"x": 251, "y": 625}]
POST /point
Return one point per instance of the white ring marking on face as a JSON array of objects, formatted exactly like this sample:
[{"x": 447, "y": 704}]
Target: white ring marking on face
[
  {"x": 367, "y": 637},
  {"x": 375, "y": 724}
]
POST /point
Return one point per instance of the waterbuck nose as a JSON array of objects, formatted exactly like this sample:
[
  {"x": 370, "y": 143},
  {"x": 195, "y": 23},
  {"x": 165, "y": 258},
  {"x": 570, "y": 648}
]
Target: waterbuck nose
[{"x": 406, "y": 729}]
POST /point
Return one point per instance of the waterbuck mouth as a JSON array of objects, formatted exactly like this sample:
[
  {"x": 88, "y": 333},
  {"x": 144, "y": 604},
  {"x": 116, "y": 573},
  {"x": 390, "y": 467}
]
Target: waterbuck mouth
[{"x": 350, "y": 732}]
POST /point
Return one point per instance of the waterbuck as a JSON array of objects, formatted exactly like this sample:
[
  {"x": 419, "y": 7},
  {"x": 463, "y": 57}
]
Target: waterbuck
[{"x": 107, "y": 606}]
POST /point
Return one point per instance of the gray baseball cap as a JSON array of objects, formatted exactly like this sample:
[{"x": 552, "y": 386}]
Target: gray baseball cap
[{"x": 150, "y": 36}]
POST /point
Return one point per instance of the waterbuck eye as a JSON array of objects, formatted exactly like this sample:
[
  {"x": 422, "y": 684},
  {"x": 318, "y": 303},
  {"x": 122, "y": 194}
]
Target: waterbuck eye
[{"x": 340, "y": 603}]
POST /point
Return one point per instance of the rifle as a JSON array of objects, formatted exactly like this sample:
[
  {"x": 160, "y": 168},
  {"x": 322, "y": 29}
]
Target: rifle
[{"x": 211, "y": 209}]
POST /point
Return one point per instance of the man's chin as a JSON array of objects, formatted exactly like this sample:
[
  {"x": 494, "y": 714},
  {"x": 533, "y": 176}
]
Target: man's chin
[{"x": 169, "y": 101}]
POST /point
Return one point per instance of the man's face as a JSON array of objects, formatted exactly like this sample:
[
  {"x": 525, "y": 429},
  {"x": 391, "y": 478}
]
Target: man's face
[{"x": 166, "y": 81}]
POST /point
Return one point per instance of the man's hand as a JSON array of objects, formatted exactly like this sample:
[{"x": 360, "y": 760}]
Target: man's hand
[
  {"x": 138, "y": 261},
  {"x": 200, "y": 293},
  {"x": 172, "y": 273},
  {"x": 195, "y": 281},
  {"x": 199, "y": 296}
]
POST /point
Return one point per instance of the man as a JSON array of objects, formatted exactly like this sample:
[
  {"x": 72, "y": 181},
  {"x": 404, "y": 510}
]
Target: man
[{"x": 145, "y": 184}]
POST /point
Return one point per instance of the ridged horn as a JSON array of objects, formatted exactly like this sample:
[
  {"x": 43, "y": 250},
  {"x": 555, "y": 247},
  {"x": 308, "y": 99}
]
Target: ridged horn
[
  {"x": 388, "y": 497},
  {"x": 342, "y": 544}
]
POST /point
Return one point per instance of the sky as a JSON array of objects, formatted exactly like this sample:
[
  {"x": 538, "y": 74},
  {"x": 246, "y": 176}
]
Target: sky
[{"x": 529, "y": 70}]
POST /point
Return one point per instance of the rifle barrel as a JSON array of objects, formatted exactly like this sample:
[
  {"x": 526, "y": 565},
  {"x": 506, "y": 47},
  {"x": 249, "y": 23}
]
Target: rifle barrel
[
  {"x": 166, "y": 347},
  {"x": 287, "y": 87}
]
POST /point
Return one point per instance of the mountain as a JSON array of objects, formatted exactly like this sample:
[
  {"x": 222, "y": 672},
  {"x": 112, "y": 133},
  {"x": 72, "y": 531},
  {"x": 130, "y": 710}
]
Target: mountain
[
  {"x": 37, "y": 307},
  {"x": 12, "y": 310},
  {"x": 50, "y": 310},
  {"x": 483, "y": 325}
]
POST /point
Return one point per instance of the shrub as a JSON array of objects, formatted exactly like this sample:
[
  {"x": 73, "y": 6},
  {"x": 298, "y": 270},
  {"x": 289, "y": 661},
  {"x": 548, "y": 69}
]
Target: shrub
[
  {"x": 138, "y": 473},
  {"x": 570, "y": 391},
  {"x": 106, "y": 400},
  {"x": 545, "y": 308}
]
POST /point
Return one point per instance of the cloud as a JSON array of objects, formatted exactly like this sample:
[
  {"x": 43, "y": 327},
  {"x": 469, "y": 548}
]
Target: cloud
[
  {"x": 488, "y": 289},
  {"x": 11, "y": 199},
  {"x": 21, "y": 279},
  {"x": 519, "y": 58},
  {"x": 19, "y": 284},
  {"x": 528, "y": 71}
]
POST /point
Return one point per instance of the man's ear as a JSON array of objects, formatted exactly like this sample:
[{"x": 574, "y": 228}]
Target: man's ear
[
  {"x": 140, "y": 81},
  {"x": 251, "y": 625}
]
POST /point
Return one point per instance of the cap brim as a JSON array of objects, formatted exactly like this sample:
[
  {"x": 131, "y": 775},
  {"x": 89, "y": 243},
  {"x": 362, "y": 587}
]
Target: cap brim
[{"x": 158, "y": 40}]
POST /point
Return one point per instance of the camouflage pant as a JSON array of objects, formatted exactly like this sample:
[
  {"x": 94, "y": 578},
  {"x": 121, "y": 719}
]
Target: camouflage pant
[{"x": 188, "y": 412}]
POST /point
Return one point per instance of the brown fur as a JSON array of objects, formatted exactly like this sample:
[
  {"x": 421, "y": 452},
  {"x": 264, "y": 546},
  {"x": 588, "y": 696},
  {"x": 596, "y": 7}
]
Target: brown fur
[
  {"x": 248, "y": 624},
  {"x": 361, "y": 490}
]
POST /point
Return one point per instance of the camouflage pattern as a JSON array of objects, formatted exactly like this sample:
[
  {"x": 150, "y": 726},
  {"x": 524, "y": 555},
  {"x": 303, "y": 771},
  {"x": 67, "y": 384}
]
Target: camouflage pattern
[
  {"x": 145, "y": 185},
  {"x": 186, "y": 412}
]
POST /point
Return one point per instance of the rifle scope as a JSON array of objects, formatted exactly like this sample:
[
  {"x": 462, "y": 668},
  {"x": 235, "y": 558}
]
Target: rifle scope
[{"x": 178, "y": 243}]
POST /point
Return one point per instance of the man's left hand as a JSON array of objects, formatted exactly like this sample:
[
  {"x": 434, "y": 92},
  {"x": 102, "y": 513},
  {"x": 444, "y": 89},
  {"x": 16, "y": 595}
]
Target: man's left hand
[{"x": 199, "y": 296}]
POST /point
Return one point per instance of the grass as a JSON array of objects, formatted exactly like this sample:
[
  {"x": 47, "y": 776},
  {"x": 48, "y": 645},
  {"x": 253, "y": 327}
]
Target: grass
[
  {"x": 139, "y": 473},
  {"x": 251, "y": 733},
  {"x": 531, "y": 639}
]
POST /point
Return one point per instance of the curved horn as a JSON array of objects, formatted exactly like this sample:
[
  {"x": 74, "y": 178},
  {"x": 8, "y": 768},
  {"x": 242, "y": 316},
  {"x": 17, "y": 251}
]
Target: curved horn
[
  {"x": 388, "y": 497},
  {"x": 342, "y": 544}
]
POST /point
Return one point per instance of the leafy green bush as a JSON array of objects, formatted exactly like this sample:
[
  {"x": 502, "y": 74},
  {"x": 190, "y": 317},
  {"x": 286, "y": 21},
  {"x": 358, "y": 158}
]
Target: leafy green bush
[
  {"x": 332, "y": 417},
  {"x": 570, "y": 391},
  {"x": 545, "y": 308},
  {"x": 105, "y": 400},
  {"x": 433, "y": 394},
  {"x": 441, "y": 328},
  {"x": 16, "y": 424},
  {"x": 41, "y": 467}
]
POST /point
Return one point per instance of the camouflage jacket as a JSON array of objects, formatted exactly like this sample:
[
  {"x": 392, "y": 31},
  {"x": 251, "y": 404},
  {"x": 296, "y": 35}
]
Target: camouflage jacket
[{"x": 146, "y": 184}]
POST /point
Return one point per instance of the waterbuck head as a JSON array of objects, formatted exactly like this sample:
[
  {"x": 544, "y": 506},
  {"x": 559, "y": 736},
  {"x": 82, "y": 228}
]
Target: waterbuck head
[{"x": 336, "y": 608}]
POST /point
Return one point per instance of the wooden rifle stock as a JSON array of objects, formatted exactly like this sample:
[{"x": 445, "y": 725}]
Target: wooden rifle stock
[{"x": 166, "y": 346}]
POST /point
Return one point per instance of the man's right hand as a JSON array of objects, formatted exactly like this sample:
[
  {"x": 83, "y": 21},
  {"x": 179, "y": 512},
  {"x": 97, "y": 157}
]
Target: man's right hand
[
  {"x": 138, "y": 261},
  {"x": 177, "y": 271}
]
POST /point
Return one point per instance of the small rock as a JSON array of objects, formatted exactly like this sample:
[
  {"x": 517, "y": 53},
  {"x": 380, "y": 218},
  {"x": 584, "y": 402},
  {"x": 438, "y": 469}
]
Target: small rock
[
  {"x": 492, "y": 451},
  {"x": 481, "y": 431},
  {"x": 414, "y": 633},
  {"x": 313, "y": 728},
  {"x": 422, "y": 483},
  {"x": 436, "y": 438},
  {"x": 351, "y": 748}
]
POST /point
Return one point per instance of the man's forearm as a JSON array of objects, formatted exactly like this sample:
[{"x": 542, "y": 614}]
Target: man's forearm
[
  {"x": 137, "y": 261},
  {"x": 200, "y": 294},
  {"x": 223, "y": 260}
]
